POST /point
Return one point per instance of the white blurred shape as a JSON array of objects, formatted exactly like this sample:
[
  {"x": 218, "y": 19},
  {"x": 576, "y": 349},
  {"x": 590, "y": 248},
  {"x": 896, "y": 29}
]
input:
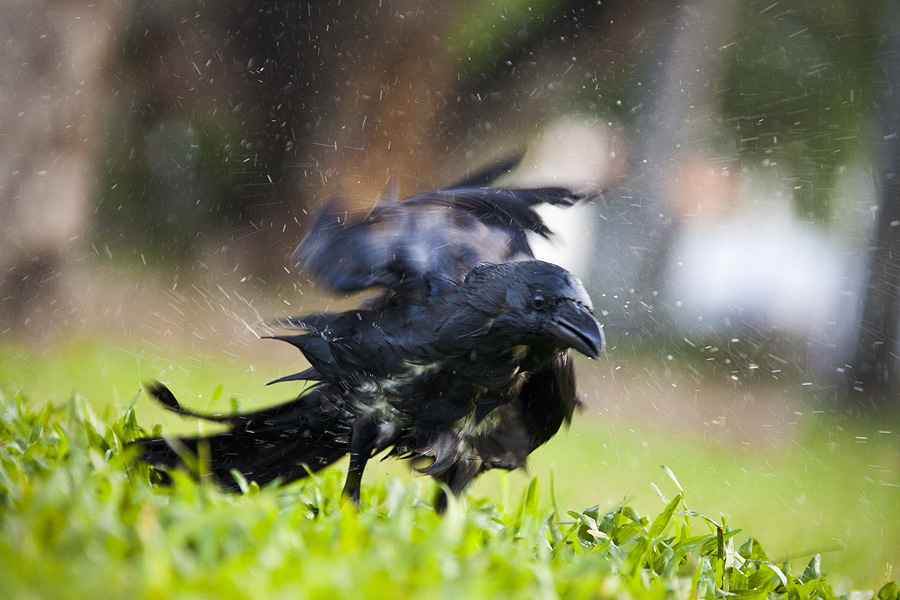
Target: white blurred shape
[{"x": 760, "y": 267}]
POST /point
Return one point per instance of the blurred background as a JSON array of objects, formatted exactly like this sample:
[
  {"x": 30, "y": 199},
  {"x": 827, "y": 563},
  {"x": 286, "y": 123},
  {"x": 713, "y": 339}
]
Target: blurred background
[{"x": 160, "y": 159}]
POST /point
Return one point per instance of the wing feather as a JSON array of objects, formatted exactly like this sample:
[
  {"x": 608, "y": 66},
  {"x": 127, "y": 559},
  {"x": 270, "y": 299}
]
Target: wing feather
[{"x": 434, "y": 236}]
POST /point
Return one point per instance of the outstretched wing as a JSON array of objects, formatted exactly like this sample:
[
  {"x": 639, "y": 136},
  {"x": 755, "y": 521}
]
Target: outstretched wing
[{"x": 436, "y": 236}]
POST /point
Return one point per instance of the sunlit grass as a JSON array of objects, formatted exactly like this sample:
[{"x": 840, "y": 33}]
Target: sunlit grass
[{"x": 824, "y": 485}]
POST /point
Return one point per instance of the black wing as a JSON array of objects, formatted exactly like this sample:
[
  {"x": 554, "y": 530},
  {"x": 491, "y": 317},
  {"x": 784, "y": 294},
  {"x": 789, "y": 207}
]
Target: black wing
[{"x": 436, "y": 236}]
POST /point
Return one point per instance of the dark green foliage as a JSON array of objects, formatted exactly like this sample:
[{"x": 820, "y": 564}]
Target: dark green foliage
[{"x": 798, "y": 91}]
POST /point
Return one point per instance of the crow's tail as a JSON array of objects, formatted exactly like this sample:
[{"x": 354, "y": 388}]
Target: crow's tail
[{"x": 282, "y": 442}]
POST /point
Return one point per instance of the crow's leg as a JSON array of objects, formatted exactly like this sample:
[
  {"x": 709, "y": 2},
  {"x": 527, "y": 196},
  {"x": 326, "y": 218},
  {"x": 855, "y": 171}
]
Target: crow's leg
[
  {"x": 362, "y": 442},
  {"x": 457, "y": 478}
]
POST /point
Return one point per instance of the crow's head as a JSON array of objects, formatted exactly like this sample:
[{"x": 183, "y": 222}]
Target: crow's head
[{"x": 547, "y": 305}]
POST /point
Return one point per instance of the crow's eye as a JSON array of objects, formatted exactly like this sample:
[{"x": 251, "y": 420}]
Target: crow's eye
[{"x": 538, "y": 301}]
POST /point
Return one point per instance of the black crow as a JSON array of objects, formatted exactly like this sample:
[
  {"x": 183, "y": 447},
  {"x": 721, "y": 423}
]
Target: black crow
[{"x": 463, "y": 358}]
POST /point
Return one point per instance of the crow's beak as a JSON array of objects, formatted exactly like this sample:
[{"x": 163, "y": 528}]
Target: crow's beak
[{"x": 574, "y": 324}]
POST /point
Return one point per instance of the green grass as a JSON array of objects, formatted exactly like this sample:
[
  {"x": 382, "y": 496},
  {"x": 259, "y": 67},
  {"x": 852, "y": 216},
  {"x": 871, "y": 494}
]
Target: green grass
[{"x": 76, "y": 522}]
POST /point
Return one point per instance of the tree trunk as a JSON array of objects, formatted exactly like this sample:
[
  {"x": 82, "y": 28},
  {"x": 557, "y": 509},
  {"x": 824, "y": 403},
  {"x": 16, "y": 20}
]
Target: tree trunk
[
  {"x": 679, "y": 92},
  {"x": 51, "y": 91},
  {"x": 874, "y": 366}
]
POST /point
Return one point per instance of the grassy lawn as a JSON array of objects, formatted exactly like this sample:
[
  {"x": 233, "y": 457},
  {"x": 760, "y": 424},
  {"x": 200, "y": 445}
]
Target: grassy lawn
[{"x": 799, "y": 480}]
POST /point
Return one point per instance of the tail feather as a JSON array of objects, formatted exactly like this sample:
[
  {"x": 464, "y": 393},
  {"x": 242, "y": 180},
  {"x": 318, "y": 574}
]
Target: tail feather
[
  {"x": 257, "y": 456},
  {"x": 283, "y": 442}
]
